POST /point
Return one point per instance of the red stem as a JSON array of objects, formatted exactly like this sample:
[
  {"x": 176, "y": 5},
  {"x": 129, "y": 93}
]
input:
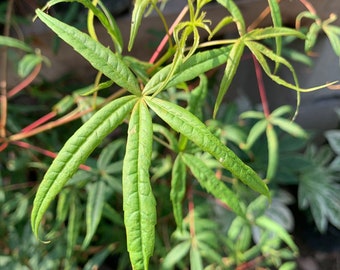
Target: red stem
[
  {"x": 25, "y": 82},
  {"x": 166, "y": 37},
  {"x": 262, "y": 89},
  {"x": 39, "y": 122}
]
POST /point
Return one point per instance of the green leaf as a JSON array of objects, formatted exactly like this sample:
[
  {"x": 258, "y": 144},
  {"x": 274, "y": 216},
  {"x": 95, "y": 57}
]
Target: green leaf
[
  {"x": 311, "y": 36},
  {"x": 196, "y": 65},
  {"x": 101, "y": 58},
  {"x": 333, "y": 138},
  {"x": 105, "y": 157},
  {"x": 195, "y": 258},
  {"x": 273, "y": 152},
  {"x": 94, "y": 208},
  {"x": 75, "y": 152},
  {"x": 137, "y": 15},
  {"x": 208, "y": 180},
  {"x": 240, "y": 234},
  {"x": 229, "y": 72},
  {"x": 255, "y": 132},
  {"x": 277, "y": 22},
  {"x": 333, "y": 34},
  {"x": 14, "y": 43},
  {"x": 176, "y": 254},
  {"x": 104, "y": 17},
  {"x": 198, "y": 97},
  {"x": 73, "y": 228},
  {"x": 289, "y": 127},
  {"x": 288, "y": 266},
  {"x": 273, "y": 32},
  {"x": 190, "y": 126},
  {"x": 282, "y": 110},
  {"x": 178, "y": 189},
  {"x": 138, "y": 201},
  {"x": 236, "y": 14},
  {"x": 28, "y": 63},
  {"x": 269, "y": 225}
]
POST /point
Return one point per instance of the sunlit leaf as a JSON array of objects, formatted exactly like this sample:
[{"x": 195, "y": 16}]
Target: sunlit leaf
[
  {"x": 137, "y": 15},
  {"x": 229, "y": 72},
  {"x": 236, "y": 14},
  {"x": 190, "y": 126},
  {"x": 190, "y": 69},
  {"x": 138, "y": 201},
  {"x": 101, "y": 58},
  {"x": 75, "y": 152}
]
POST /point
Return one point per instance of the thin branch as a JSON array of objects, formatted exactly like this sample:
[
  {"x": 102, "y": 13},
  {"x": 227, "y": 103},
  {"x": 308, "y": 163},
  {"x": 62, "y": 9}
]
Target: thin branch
[
  {"x": 166, "y": 37},
  {"x": 3, "y": 73},
  {"x": 25, "y": 82}
]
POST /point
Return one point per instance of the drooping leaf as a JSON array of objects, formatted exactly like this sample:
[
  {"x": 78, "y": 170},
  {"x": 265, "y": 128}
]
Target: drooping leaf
[
  {"x": 101, "y": 58},
  {"x": 178, "y": 189},
  {"x": 75, "y": 152},
  {"x": 138, "y": 200},
  {"x": 208, "y": 180},
  {"x": 190, "y": 126},
  {"x": 190, "y": 69}
]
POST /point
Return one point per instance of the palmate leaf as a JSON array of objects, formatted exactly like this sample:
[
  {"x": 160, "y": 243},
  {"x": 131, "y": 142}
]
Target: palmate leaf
[
  {"x": 273, "y": 151},
  {"x": 101, "y": 58},
  {"x": 190, "y": 126},
  {"x": 208, "y": 180},
  {"x": 75, "y": 152},
  {"x": 138, "y": 200}
]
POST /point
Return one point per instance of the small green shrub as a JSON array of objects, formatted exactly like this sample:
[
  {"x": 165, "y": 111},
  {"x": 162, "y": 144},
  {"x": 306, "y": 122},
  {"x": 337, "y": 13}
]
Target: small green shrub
[{"x": 167, "y": 151}]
